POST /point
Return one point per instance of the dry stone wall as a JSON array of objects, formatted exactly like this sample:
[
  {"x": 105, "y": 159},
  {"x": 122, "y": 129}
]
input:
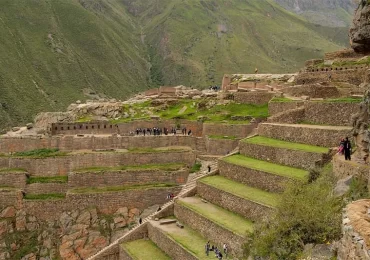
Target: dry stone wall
[
  {"x": 46, "y": 188},
  {"x": 216, "y": 233},
  {"x": 64, "y": 164},
  {"x": 169, "y": 246},
  {"x": 251, "y": 177},
  {"x": 13, "y": 179},
  {"x": 114, "y": 178},
  {"x": 293, "y": 158},
  {"x": 249, "y": 209},
  {"x": 238, "y": 130},
  {"x": 342, "y": 169},
  {"x": 220, "y": 146},
  {"x": 300, "y": 134},
  {"x": 255, "y": 98},
  {"x": 352, "y": 76},
  {"x": 278, "y": 107}
]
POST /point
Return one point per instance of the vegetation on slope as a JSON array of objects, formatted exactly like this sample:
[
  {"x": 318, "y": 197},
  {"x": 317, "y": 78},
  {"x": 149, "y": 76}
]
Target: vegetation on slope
[
  {"x": 308, "y": 213},
  {"x": 55, "y": 52}
]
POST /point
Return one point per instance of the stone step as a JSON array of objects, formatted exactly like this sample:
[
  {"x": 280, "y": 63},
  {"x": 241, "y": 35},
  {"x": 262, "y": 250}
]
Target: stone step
[
  {"x": 282, "y": 152},
  {"x": 143, "y": 249},
  {"x": 251, "y": 203},
  {"x": 318, "y": 135},
  {"x": 178, "y": 243},
  {"x": 214, "y": 222},
  {"x": 259, "y": 174}
]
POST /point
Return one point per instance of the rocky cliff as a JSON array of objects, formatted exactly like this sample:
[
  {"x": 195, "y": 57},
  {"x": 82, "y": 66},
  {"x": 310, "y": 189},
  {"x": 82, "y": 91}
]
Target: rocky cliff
[{"x": 360, "y": 31}]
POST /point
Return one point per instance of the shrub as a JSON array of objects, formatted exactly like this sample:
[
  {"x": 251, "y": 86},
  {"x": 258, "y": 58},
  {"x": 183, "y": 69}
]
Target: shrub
[
  {"x": 358, "y": 188},
  {"x": 308, "y": 213},
  {"x": 196, "y": 167}
]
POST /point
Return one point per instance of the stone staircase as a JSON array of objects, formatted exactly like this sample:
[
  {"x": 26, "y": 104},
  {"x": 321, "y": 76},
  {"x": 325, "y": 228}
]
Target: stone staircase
[{"x": 222, "y": 208}]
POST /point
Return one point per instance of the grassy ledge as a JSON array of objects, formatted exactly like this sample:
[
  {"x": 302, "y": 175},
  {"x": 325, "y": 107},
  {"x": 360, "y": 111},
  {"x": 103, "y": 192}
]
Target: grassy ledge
[
  {"x": 261, "y": 140},
  {"x": 122, "y": 188},
  {"x": 40, "y": 153},
  {"x": 53, "y": 179},
  {"x": 50, "y": 196},
  {"x": 12, "y": 170},
  {"x": 156, "y": 150},
  {"x": 223, "y": 217},
  {"x": 144, "y": 250},
  {"x": 282, "y": 99},
  {"x": 277, "y": 169},
  {"x": 243, "y": 191},
  {"x": 222, "y": 137},
  {"x": 143, "y": 167}
]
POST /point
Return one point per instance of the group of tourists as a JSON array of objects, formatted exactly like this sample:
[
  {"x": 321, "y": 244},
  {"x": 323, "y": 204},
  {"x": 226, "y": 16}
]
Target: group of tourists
[
  {"x": 345, "y": 148},
  {"x": 160, "y": 131},
  {"x": 214, "y": 88},
  {"x": 218, "y": 253}
]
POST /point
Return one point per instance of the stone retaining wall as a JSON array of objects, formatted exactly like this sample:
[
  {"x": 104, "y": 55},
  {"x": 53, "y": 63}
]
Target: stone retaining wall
[
  {"x": 342, "y": 169},
  {"x": 278, "y": 107},
  {"x": 220, "y": 146},
  {"x": 293, "y": 158},
  {"x": 212, "y": 231},
  {"x": 62, "y": 165},
  {"x": 114, "y": 178},
  {"x": 251, "y": 177},
  {"x": 292, "y": 116},
  {"x": 238, "y": 130},
  {"x": 353, "y": 76},
  {"x": 46, "y": 188},
  {"x": 123, "y": 255},
  {"x": 307, "y": 135},
  {"x": 249, "y": 209},
  {"x": 169, "y": 246},
  {"x": 10, "y": 197},
  {"x": 106, "y": 203},
  {"x": 13, "y": 179},
  {"x": 254, "y": 98}
]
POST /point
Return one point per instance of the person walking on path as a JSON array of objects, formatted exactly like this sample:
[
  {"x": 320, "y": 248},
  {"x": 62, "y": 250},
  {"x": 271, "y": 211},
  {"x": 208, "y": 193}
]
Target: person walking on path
[
  {"x": 207, "y": 247},
  {"x": 225, "y": 249},
  {"x": 140, "y": 221},
  {"x": 209, "y": 168},
  {"x": 347, "y": 149}
]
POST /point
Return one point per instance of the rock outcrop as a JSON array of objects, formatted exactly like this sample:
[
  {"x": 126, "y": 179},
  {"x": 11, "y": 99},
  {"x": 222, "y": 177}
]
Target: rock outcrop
[{"x": 360, "y": 31}]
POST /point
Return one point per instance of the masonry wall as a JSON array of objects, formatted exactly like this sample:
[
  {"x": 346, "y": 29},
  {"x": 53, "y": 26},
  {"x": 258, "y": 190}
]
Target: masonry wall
[
  {"x": 246, "y": 208},
  {"x": 292, "y": 116},
  {"x": 46, "y": 188},
  {"x": 167, "y": 245},
  {"x": 13, "y": 179},
  {"x": 216, "y": 233},
  {"x": 122, "y": 128},
  {"x": 64, "y": 164},
  {"x": 251, "y": 177},
  {"x": 106, "y": 203},
  {"x": 313, "y": 91},
  {"x": 293, "y": 158},
  {"x": 330, "y": 113},
  {"x": 255, "y": 98},
  {"x": 278, "y": 107},
  {"x": 10, "y": 197},
  {"x": 238, "y": 130},
  {"x": 114, "y": 178},
  {"x": 342, "y": 169},
  {"x": 220, "y": 146},
  {"x": 299, "y": 134},
  {"x": 352, "y": 76}
]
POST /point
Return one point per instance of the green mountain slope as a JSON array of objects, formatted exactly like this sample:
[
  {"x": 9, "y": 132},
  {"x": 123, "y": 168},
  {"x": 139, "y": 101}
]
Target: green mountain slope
[
  {"x": 54, "y": 51},
  {"x": 51, "y": 50},
  {"x": 196, "y": 42}
]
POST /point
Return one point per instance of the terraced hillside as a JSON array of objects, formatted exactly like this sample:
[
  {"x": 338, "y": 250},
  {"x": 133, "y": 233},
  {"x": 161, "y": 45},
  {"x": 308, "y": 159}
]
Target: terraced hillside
[{"x": 53, "y": 53}]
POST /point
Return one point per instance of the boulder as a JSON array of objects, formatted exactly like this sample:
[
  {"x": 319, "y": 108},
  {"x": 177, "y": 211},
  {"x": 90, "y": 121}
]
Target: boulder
[
  {"x": 29, "y": 126},
  {"x": 84, "y": 218},
  {"x": 15, "y": 129},
  {"x": 343, "y": 186},
  {"x": 359, "y": 33}
]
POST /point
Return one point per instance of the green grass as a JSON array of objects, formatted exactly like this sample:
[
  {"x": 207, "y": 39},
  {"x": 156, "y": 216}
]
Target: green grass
[
  {"x": 281, "y": 99},
  {"x": 222, "y": 137},
  {"x": 344, "y": 100},
  {"x": 84, "y": 119},
  {"x": 144, "y": 250},
  {"x": 53, "y": 179},
  {"x": 260, "y": 140},
  {"x": 153, "y": 167},
  {"x": 264, "y": 166},
  {"x": 123, "y": 188},
  {"x": 196, "y": 167},
  {"x": 242, "y": 190},
  {"x": 225, "y": 218},
  {"x": 40, "y": 153},
  {"x": 192, "y": 241},
  {"x": 50, "y": 196},
  {"x": 11, "y": 170}
]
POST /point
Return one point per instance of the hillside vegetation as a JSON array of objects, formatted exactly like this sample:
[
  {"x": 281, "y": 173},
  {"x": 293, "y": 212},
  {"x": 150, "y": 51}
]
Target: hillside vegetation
[{"x": 55, "y": 52}]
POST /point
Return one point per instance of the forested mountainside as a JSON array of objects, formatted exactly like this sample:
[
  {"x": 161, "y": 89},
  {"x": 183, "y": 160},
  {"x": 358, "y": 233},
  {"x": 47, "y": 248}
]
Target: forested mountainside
[{"x": 55, "y": 52}]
